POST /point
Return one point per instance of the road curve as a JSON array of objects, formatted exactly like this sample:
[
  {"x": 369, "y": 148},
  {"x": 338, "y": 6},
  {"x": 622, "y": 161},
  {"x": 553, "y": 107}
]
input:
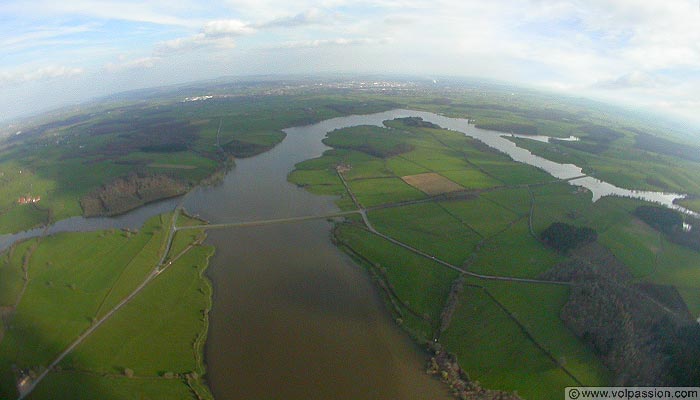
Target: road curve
[{"x": 370, "y": 227}]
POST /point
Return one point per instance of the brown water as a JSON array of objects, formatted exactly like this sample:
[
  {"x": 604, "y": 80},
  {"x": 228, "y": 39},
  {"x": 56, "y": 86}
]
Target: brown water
[{"x": 293, "y": 317}]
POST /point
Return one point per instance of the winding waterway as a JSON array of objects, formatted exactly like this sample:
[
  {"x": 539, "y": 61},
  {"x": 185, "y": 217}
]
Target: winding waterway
[
  {"x": 293, "y": 317},
  {"x": 252, "y": 204}
]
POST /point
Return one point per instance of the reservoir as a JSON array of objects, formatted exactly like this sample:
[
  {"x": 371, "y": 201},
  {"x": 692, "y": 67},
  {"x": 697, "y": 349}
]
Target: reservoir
[
  {"x": 254, "y": 200},
  {"x": 293, "y": 317}
]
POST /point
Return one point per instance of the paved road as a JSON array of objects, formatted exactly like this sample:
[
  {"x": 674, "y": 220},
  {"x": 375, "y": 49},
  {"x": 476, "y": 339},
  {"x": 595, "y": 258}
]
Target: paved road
[
  {"x": 365, "y": 219},
  {"x": 218, "y": 135},
  {"x": 246, "y": 224},
  {"x": 454, "y": 267},
  {"x": 160, "y": 267},
  {"x": 152, "y": 275}
]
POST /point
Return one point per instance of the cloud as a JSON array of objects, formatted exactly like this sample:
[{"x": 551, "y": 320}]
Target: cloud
[
  {"x": 309, "y": 17},
  {"x": 154, "y": 12},
  {"x": 335, "y": 42},
  {"x": 632, "y": 50},
  {"x": 634, "y": 79},
  {"x": 138, "y": 63},
  {"x": 39, "y": 36},
  {"x": 230, "y": 27},
  {"x": 39, "y": 74},
  {"x": 219, "y": 34}
]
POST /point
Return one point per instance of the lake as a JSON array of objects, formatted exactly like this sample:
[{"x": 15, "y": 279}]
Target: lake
[{"x": 293, "y": 317}]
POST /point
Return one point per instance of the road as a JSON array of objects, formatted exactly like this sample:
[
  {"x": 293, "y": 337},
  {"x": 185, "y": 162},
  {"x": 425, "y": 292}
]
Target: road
[
  {"x": 247, "y": 224},
  {"x": 370, "y": 227},
  {"x": 218, "y": 135},
  {"x": 159, "y": 268}
]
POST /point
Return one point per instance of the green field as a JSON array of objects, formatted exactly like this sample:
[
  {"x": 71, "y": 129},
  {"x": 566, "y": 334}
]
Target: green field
[
  {"x": 154, "y": 334},
  {"x": 489, "y": 343},
  {"x": 481, "y": 215},
  {"x": 537, "y": 308},
  {"x": 62, "y": 160},
  {"x": 89, "y": 386},
  {"x": 420, "y": 284},
  {"x": 430, "y": 228},
  {"x": 494, "y": 351},
  {"x": 514, "y": 252},
  {"x": 506, "y": 335},
  {"x": 70, "y": 287},
  {"x": 12, "y": 267}
]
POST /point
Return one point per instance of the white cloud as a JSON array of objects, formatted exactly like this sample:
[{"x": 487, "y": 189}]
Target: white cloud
[
  {"x": 634, "y": 79},
  {"x": 335, "y": 42},
  {"x": 309, "y": 17},
  {"x": 219, "y": 34},
  {"x": 639, "y": 52},
  {"x": 230, "y": 27},
  {"x": 126, "y": 64},
  {"x": 39, "y": 36},
  {"x": 154, "y": 12},
  {"x": 39, "y": 74}
]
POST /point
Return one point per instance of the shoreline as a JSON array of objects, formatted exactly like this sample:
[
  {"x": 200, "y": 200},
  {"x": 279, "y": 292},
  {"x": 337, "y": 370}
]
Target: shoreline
[{"x": 199, "y": 384}]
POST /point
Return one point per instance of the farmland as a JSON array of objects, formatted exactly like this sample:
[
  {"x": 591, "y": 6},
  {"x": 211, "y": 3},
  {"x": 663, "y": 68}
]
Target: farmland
[
  {"x": 67, "y": 292},
  {"x": 76, "y": 165},
  {"x": 491, "y": 226},
  {"x": 450, "y": 230}
]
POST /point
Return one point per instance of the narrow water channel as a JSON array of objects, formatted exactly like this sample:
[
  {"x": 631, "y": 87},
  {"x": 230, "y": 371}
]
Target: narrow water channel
[
  {"x": 252, "y": 204},
  {"x": 293, "y": 317}
]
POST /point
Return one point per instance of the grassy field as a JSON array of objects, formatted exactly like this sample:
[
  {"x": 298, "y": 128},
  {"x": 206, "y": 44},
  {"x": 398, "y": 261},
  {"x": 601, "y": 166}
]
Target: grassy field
[
  {"x": 481, "y": 215},
  {"x": 498, "y": 354},
  {"x": 691, "y": 204},
  {"x": 514, "y": 252},
  {"x": 506, "y": 335},
  {"x": 374, "y": 192},
  {"x": 63, "y": 160},
  {"x": 420, "y": 284},
  {"x": 12, "y": 271},
  {"x": 678, "y": 266},
  {"x": 69, "y": 289},
  {"x": 625, "y": 166},
  {"x": 378, "y": 161},
  {"x": 90, "y": 386},
  {"x": 537, "y": 308},
  {"x": 635, "y": 244},
  {"x": 493, "y": 350},
  {"x": 154, "y": 334},
  {"x": 430, "y": 228}
]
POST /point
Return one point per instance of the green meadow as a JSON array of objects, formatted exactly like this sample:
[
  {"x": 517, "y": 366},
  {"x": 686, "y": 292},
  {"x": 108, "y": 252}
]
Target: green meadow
[
  {"x": 158, "y": 335},
  {"x": 64, "y": 160},
  {"x": 506, "y": 335},
  {"x": 419, "y": 284},
  {"x": 519, "y": 342},
  {"x": 494, "y": 351}
]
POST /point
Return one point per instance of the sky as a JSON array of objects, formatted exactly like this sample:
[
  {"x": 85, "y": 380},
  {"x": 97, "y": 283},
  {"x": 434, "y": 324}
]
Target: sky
[{"x": 641, "y": 53}]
